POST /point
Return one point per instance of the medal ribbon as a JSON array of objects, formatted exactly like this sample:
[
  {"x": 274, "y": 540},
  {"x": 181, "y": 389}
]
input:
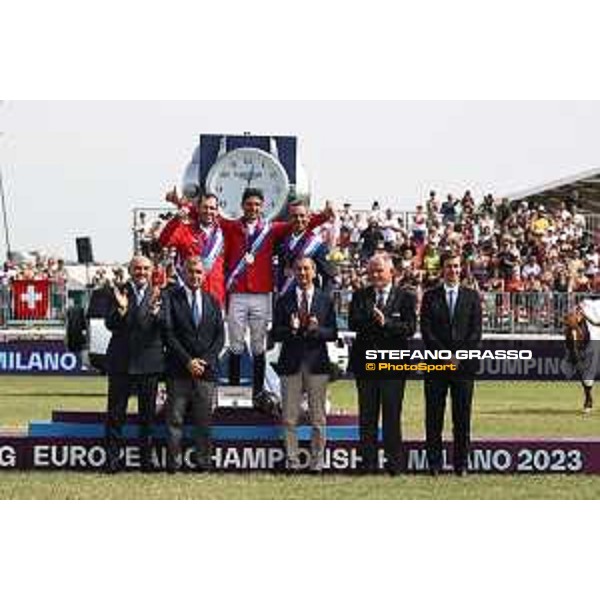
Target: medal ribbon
[
  {"x": 212, "y": 248},
  {"x": 310, "y": 245},
  {"x": 242, "y": 264}
]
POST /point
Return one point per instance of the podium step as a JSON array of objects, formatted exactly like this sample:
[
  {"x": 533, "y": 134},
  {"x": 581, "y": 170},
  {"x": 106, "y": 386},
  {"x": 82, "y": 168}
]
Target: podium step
[
  {"x": 221, "y": 416},
  {"x": 46, "y": 429}
]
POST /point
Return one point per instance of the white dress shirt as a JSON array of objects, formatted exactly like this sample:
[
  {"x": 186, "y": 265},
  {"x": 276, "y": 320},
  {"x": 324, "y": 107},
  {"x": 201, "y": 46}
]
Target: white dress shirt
[{"x": 383, "y": 293}]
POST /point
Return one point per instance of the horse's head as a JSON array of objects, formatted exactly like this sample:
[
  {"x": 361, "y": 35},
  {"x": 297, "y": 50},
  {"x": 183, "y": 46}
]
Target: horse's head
[
  {"x": 573, "y": 320},
  {"x": 576, "y": 334}
]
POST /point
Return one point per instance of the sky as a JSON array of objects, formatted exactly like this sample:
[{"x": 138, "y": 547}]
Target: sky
[{"x": 79, "y": 168}]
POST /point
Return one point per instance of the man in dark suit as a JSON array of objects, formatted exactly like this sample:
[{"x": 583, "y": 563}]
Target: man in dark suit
[
  {"x": 383, "y": 317},
  {"x": 134, "y": 359},
  {"x": 450, "y": 320},
  {"x": 304, "y": 322},
  {"x": 194, "y": 336}
]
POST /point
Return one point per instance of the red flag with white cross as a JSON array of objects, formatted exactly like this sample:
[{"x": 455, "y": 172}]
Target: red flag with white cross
[{"x": 31, "y": 299}]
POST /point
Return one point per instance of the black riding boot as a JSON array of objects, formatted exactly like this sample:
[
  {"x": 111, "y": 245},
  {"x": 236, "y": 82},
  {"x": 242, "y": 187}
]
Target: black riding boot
[
  {"x": 588, "y": 402},
  {"x": 258, "y": 378},
  {"x": 235, "y": 365}
]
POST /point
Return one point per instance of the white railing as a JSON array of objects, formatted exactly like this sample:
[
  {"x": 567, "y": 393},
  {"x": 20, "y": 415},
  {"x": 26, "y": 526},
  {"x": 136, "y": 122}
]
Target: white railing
[{"x": 506, "y": 312}]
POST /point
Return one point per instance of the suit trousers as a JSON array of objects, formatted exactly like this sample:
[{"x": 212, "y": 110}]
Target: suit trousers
[
  {"x": 198, "y": 394},
  {"x": 120, "y": 387},
  {"x": 461, "y": 392},
  {"x": 385, "y": 396},
  {"x": 293, "y": 387}
]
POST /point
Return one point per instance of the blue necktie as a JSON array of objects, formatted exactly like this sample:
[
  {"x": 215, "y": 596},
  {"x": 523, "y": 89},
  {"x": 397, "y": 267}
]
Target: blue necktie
[
  {"x": 451, "y": 303},
  {"x": 195, "y": 310}
]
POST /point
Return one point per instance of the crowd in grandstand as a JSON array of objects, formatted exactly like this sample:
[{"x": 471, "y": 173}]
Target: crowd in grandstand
[
  {"x": 34, "y": 266},
  {"x": 506, "y": 247}
]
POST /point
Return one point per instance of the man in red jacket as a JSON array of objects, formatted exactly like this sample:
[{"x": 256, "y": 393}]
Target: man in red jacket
[
  {"x": 199, "y": 234},
  {"x": 249, "y": 248}
]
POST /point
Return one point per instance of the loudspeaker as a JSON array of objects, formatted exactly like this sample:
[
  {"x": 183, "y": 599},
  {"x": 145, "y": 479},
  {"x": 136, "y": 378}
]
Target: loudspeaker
[{"x": 84, "y": 250}]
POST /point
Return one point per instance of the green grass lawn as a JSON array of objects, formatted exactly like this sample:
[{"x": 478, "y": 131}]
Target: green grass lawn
[{"x": 501, "y": 410}]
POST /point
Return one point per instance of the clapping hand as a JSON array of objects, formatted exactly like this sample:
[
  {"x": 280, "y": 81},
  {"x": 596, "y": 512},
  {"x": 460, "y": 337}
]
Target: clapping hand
[
  {"x": 294, "y": 322},
  {"x": 379, "y": 316},
  {"x": 313, "y": 323},
  {"x": 196, "y": 367},
  {"x": 155, "y": 301},
  {"x": 122, "y": 299}
]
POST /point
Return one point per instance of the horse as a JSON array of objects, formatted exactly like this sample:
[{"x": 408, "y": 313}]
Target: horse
[{"x": 580, "y": 353}]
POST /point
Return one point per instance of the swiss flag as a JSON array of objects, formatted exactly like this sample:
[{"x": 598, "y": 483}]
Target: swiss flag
[{"x": 31, "y": 298}]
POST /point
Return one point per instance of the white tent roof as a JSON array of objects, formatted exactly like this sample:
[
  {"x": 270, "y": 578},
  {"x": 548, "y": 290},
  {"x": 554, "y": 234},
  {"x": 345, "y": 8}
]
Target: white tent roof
[{"x": 586, "y": 184}]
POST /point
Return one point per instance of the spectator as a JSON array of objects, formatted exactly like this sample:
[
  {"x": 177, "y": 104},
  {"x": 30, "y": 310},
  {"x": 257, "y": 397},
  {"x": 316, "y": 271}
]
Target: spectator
[
  {"x": 419, "y": 229},
  {"x": 531, "y": 268},
  {"x": 389, "y": 228},
  {"x": 448, "y": 210},
  {"x": 370, "y": 237},
  {"x": 431, "y": 261},
  {"x": 503, "y": 211}
]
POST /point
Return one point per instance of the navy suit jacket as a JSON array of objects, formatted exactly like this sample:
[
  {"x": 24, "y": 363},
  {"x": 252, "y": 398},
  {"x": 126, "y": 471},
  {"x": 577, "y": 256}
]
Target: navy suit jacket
[
  {"x": 463, "y": 332},
  {"x": 184, "y": 340},
  {"x": 136, "y": 345},
  {"x": 304, "y": 346}
]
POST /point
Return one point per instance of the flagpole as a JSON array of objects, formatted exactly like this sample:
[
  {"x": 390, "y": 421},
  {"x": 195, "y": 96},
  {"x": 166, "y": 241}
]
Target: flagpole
[
  {"x": 4, "y": 212},
  {"x": 5, "y": 218}
]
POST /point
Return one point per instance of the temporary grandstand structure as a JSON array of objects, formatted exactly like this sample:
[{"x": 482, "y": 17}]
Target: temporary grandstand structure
[{"x": 583, "y": 187}]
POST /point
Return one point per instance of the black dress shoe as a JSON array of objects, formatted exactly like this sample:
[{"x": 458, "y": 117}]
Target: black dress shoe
[
  {"x": 112, "y": 466},
  {"x": 203, "y": 465},
  {"x": 367, "y": 470},
  {"x": 146, "y": 464},
  {"x": 203, "y": 468}
]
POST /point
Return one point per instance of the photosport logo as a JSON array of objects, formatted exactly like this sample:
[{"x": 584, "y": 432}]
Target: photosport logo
[{"x": 513, "y": 359}]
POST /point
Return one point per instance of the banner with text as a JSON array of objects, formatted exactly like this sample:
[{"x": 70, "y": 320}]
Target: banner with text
[{"x": 39, "y": 358}]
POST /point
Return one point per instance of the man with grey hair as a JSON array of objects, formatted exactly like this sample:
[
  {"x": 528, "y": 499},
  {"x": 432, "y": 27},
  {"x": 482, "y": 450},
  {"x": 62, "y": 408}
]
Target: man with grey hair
[
  {"x": 383, "y": 317},
  {"x": 134, "y": 359},
  {"x": 194, "y": 335}
]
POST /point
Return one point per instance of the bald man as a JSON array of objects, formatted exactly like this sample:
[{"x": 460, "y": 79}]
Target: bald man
[{"x": 134, "y": 360}]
